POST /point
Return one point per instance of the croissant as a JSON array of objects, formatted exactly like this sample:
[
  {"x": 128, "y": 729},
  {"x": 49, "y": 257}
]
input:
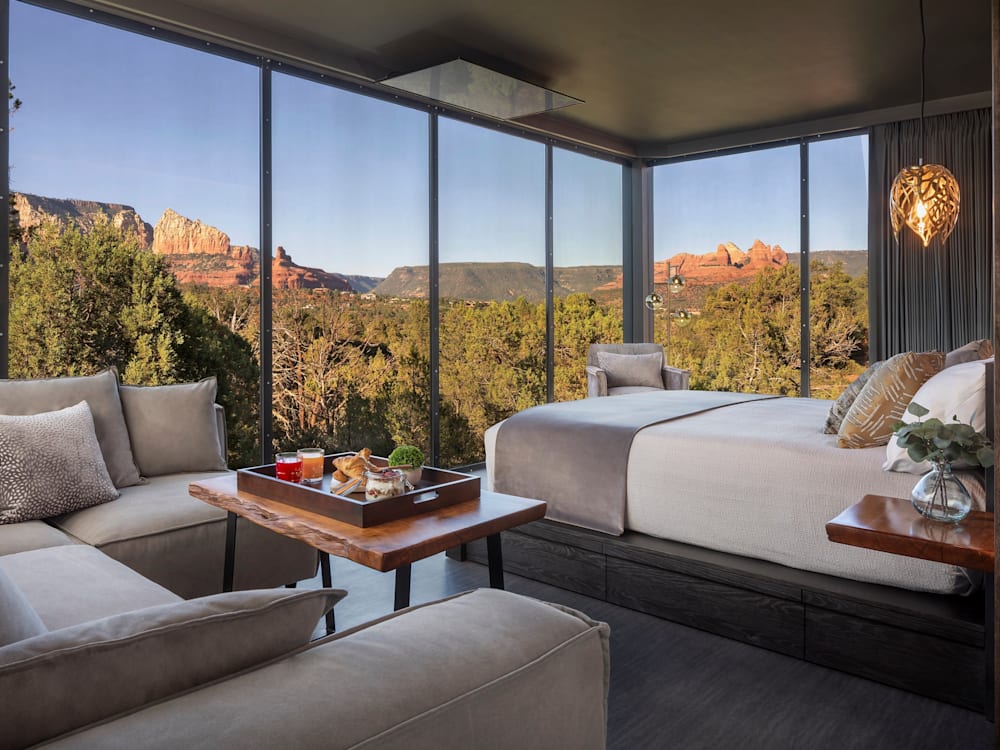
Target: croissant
[{"x": 356, "y": 465}]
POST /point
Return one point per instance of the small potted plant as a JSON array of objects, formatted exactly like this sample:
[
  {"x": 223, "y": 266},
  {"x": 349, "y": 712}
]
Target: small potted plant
[
  {"x": 410, "y": 459},
  {"x": 939, "y": 494}
]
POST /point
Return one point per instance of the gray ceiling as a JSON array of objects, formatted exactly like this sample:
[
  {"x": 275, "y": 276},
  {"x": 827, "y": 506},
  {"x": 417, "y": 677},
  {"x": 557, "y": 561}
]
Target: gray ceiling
[{"x": 649, "y": 72}]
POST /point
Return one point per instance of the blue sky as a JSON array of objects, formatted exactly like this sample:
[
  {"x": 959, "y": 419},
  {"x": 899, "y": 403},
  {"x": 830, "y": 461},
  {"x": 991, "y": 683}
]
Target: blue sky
[{"x": 119, "y": 117}]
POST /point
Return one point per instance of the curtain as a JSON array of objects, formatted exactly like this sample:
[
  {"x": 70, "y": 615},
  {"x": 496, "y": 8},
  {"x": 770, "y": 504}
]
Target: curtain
[{"x": 939, "y": 297}]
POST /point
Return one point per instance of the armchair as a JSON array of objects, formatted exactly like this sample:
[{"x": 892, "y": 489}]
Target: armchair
[{"x": 623, "y": 381}]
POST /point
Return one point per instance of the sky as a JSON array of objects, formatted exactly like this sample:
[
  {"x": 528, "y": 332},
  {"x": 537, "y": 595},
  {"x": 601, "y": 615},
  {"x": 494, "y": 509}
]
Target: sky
[{"x": 123, "y": 118}]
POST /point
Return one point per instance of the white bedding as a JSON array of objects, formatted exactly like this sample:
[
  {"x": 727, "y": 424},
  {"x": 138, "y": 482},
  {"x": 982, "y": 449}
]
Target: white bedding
[{"x": 761, "y": 479}]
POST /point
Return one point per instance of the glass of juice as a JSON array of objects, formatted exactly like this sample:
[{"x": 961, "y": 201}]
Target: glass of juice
[
  {"x": 288, "y": 466},
  {"x": 312, "y": 465}
]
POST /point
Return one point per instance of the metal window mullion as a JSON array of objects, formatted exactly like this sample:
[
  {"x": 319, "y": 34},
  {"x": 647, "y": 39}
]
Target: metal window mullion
[
  {"x": 266, "y": 251},
  {"x": 5, "y": 165},
  {"x": 433, "y": 248},
  {"x": 804, "y": 345},
  {"x": 549, "y": 280}
]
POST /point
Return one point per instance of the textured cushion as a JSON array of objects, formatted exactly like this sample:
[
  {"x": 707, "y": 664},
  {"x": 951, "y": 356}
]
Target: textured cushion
[
  {"x": 51, "y": 463},
  {"x": 101, "y": 394},
  {"x": 632, "y": 369},
  {"x": 840, "y": 407},
  {"x": 956, "y": 391},
  {"x": 173, "y": 427},
  {"x": 884, "y": 398},
  {"x": 18, "y": 619},
  {"x": 28, "y": 535},
  {"x": 979, "y": 349},
  {"x": 72, "y": 677}
]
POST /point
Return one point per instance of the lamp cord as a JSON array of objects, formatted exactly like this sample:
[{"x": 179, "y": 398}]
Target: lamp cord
[{"x": 923, "y": 56}]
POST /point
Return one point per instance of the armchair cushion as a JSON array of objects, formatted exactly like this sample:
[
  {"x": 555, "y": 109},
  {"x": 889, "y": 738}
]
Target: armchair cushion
[
  {"x": 18, "y": 619},
  {"x": 632, "y": 369}
]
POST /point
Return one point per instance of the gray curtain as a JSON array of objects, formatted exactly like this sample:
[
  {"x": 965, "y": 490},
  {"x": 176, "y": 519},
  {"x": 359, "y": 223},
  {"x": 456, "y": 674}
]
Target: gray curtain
[{"x": 939, "y": 297}]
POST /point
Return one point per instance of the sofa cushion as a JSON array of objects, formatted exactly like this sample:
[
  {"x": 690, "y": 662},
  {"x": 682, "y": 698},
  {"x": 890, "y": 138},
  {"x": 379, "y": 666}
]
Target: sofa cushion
[
  {"x": 159, "y": 530},
  {"x": 51, "y": 463},
  {"x": 72, "y": 584},
  {"x": 72, "y": 677},
  {"x": 632, "y": 369},
  {"x": 173, "y": 427},
  {"x": 18, "y": 619},
  {"x": 100, "y": 391},
  {"x": 488, "y": 669},
  {"x": 20, "y": 537}
]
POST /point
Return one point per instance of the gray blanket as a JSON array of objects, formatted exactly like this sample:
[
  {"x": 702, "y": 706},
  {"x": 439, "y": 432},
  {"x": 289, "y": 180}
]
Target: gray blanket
[{"x": 574, "y": 454}]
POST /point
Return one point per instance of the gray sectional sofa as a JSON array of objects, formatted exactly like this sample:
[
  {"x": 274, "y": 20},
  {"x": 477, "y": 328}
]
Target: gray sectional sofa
[{"x": 112, "y": 634}]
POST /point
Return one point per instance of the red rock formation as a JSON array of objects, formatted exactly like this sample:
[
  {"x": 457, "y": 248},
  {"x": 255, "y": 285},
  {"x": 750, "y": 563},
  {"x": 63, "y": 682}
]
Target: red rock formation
[
  {"x": 287, "y": 275},
  {"x": 177, "y": 235},
  {"x": 33, "y": 210}
]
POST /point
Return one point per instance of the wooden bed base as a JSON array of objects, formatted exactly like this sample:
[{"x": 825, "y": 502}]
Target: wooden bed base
[{"x": 925, "y": 643}]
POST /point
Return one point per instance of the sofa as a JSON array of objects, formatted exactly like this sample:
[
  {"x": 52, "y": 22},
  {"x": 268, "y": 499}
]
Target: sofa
[{"x": 107, "y": 639}]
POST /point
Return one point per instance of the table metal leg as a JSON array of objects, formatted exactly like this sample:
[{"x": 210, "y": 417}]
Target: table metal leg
[
  {"x": 324, "y": 567},
  {"x": 230, "y": 560},
  {"x": 494, "y": 555},
  {"x": 402, "y": 587}
]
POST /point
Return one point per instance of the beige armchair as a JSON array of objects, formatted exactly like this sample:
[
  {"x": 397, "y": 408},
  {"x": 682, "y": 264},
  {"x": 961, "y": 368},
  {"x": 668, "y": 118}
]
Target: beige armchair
[{"x": 621, "y": 379}]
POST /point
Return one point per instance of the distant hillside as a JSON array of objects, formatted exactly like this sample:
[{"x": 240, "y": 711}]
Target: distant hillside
[
  {"x": 496, "y": 281},
  {"x": 362, "y": 284},
  {"x": 855, "y": 261}
]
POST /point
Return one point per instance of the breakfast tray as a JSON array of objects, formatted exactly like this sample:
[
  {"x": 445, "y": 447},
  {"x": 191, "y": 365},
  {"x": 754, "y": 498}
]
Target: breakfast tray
[{"x": 437, "y": 488}]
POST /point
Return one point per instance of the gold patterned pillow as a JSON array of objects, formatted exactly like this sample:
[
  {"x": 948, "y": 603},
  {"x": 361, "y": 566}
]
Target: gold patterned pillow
[
  {"x": 884, "y": 398},
  {"x": 840, "y": 407}
]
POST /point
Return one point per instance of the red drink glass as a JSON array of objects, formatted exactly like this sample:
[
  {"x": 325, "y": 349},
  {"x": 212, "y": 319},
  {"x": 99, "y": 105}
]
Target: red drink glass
[{"x": 288, "y": 466}]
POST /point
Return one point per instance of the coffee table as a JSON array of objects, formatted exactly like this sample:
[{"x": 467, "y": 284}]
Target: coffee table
[{"x": 389, "y": 546}]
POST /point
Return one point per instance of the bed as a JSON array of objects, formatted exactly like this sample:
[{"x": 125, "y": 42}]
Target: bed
[{"x": 723, "y": 529}]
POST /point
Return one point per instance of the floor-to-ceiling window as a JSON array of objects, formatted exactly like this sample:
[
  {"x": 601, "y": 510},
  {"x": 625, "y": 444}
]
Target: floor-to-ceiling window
[
  {"x": 134, "y": 167},
  {"x": 838, "y": 280},
  {"x": 587, "y": 264},
  {"x": 492, "y": 282},
  {"x": 351, "y": 341}
]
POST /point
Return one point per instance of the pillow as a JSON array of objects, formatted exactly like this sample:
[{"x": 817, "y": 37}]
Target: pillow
[
  {"x": 838, "y": 410},
  {"x": 959, "y": 390},
  {"x": 173, "y": 427},
  {"x": 51, "y": 464},
  {"x": 72, "y": 677},
  {"x": 885, "y": 397},
  {"x": 632, "y": 369},
  {"x": 100, "y": 391},
  {"x": 18, "y": 619},
  {"x": 979, "y": 349}
]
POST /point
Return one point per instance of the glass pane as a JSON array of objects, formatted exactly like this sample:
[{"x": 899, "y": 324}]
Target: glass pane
[
  {"x": 135, "y": 171},
  {"x": 587, "y": 261},
  {"x": 351, "y": 323},
  {"x": 838, "y": 250},
  {"x": 729, "y": 227},
  {"x": 492, "y": 266}
]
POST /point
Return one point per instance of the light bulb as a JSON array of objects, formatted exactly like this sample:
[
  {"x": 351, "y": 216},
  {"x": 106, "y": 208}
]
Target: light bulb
[
  {"x": 920, "y": 209},
  {"x": 654, "y": 301}
]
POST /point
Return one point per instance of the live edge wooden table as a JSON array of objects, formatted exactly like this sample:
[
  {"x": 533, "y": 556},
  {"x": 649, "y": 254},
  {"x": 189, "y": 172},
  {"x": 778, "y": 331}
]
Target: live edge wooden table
[
  {"x": 892, "y": 524},
  {"x": 389, "y": 546}
]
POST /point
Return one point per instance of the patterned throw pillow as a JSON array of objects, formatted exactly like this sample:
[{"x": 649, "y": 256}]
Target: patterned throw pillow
[
  {"x": 974, "y": 350},
  {"x": 51, "y": 463},
  {"x": 632, "y": 369},
  {"x": 882, "y": 401},
  {"x": 839, "y": 408}
]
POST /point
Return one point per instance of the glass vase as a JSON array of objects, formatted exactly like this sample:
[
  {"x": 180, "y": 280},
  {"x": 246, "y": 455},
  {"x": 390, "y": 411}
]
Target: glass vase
[{"x": 940, "y": 496}]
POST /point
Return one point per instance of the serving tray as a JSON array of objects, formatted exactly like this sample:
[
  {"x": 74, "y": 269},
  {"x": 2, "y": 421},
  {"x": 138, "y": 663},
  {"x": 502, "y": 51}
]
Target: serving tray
[{"x": 437, "y": 488}]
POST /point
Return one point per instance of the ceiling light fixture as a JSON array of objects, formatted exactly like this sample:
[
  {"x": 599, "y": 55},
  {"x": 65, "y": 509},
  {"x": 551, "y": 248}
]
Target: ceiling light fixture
[
  {"x": 926, "y": 197},
  {"x": 461, "y": 83}
]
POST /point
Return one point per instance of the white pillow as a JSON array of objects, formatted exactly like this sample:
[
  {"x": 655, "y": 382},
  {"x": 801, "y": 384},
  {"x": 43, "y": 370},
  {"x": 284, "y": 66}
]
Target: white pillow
[
  {"x": 624, "y": 370},
  {"x": 959, "y": 390}
]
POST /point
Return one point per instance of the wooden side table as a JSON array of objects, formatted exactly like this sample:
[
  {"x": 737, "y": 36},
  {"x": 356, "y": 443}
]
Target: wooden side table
[{"x": 892, "y": 524}]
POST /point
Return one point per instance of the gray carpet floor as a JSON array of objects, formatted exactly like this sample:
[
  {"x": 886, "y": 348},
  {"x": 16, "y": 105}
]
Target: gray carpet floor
[{"x": 679, "y": 688}]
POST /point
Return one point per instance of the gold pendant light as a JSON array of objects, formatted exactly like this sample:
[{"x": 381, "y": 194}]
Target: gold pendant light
[{"x": 926, "y": 197}]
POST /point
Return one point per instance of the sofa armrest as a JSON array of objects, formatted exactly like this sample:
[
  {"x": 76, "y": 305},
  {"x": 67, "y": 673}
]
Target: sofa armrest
[
  {"x": 597, "y": 382},
  {"x": 220, "y": 422},
  {"x": 676, "y": 379}
]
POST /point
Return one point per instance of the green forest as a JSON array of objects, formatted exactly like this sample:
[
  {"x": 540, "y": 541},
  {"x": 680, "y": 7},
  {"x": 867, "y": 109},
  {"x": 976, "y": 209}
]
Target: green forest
[{"x": 350, "y": 372}]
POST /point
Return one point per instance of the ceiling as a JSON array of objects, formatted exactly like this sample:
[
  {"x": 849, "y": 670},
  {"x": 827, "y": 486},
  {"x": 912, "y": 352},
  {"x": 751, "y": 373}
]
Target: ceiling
[{"x": 649, "y": 72}]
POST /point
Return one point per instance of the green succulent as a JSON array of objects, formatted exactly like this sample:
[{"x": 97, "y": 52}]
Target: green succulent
[
  {"x": 403, "y": 455},
  {"x": 943, "y": 442}
]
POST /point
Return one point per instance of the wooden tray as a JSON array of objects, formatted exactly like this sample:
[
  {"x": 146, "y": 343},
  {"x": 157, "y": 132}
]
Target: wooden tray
[{"x": 437, "y": 488}]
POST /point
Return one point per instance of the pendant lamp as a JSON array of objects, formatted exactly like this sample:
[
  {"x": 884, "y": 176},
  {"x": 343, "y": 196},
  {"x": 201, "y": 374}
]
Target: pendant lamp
[{"x": 925, "y": 197}]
